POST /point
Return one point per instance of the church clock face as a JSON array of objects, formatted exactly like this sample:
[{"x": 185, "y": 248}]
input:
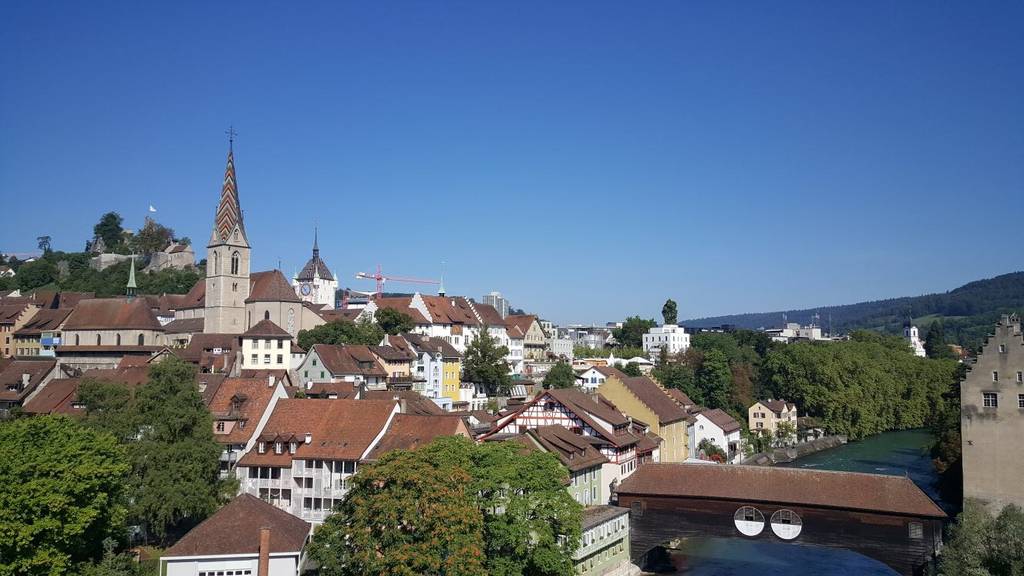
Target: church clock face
[{"x": 305, "y": 289}]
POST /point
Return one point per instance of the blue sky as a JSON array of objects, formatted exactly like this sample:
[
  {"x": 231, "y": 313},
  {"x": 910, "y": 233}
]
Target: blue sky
[{"x": 587, "y": 159}]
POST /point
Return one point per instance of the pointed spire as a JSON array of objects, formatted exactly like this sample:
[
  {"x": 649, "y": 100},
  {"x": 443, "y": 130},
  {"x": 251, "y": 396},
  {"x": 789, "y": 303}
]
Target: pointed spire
[
  {"x": 130, "y": 289},
  {"x": 316, "y": 244},
  {"x": 229, "y": 212}
]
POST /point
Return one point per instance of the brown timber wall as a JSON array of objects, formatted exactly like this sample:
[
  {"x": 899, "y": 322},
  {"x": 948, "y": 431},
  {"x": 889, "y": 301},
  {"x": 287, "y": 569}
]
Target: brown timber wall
[{"x": 884, "y": 537}]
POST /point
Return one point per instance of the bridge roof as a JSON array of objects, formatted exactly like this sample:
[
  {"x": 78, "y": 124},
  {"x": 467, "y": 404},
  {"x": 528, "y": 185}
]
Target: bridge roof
[{"x": 815, "y": 488}]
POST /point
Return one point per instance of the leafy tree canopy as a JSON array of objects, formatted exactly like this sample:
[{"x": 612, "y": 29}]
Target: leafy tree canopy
[
  {"x": 484, "y": 363},
  {"x": 631, "y": 334},
  {"x": 669, "y": 312},
  {"x": 560, "y": 376},
  {"x": 342, "y": 332},
  {"x": 980, "y": 544},
  {"x": 497, "y": 510},
  {"x": 109, "y": 229},
  {"x": 631, "y": 369},
  {"x": 36, "y": 274},
  {"x": 393, "y": 321},
  {"x": 152, "y": 237},
  {"x": 62, "y": 491},
  {"x": 169, "y": 436},
  {"x": 935, "y": 345}
]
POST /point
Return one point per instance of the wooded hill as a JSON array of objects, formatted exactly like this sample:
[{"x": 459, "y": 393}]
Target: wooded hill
[{"x": 968, "y": 312}]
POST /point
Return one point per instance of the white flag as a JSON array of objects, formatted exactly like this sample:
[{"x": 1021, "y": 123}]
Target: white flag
[{"x": 151, "y": 209}]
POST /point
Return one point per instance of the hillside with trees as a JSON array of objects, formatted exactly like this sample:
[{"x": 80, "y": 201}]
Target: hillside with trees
[{"x": 967, "y": 312}]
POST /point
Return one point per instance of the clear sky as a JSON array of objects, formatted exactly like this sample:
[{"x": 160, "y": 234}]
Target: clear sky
[{"x": 586, "y": 159}]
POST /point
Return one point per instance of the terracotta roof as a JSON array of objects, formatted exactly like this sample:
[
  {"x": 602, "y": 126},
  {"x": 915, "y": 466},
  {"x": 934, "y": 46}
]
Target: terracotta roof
[
  {"x": 401, "y": 304},
  {"x": 241, "y": 400},
  {"x": 12, "y": 386},
  {"x": 391, "y": 353},
  {"x": 655, "y": 398},
  {"x": 515, "y": 332},
  {"x": 270, "y": 286},
  {"x": 235, "y": 530},
  {"x": 340, "y": 429},
  {"x": 450, "y": 310},
  {"x": 46, "y": 320},
  {"x": 595, "y": 515},
  {"x": 573, "y": 450},
  {"x": 721, "y": 419},
  {"x": 327, "y": 389},
  {"x": 581, "y": 401},
  {"x": 794, "y": 486},
  {"x": 71, "y": 299},
  {"x": 131, "y": 376},
  {"x": 777, "y": 406},
  {"x": 55, "y": 398},
  {"x": 415, "y": 403},
  {"x": 185, "y": 326},
  {"x": 349, "y": 359},
  {"x": 332, "y": 314},
  {"x": 196, "y": 297},
  {"x": 680, "y": 397},
  {"x": 112, "y": 314},
  {"x": 126, "y": 349},
  {"x": 521, "y": 321},
  {"x": 209, "y": 384},
  {"x": 315, "y": 266},
  {"x": 489, "y": 315},
  {"x": 207, "y": 342},
  {"x": 9, "y": 313},
  {"x": 648, "y": 442},
  {"x": 432, "y": 344},
  {"x": 267, "y": 329},
  {"x": 410, "y": 431}
]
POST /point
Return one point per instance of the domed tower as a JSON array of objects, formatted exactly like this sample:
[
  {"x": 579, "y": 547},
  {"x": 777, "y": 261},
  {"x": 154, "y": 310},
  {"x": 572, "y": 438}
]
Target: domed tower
[{"x": 315, "y": 283}]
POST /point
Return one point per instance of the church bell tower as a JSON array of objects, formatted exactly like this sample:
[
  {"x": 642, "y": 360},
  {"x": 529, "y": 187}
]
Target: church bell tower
[{"x": 227, "y": 260}]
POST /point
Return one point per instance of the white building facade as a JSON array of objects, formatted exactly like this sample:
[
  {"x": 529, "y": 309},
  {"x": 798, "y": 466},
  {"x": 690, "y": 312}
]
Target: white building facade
[{"x": 670, "y": 337}]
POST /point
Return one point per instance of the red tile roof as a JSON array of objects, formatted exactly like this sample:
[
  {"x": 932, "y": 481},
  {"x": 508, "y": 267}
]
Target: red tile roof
[
  {"x": 349, "y": 359},
  {"x": 185, "y": 326},
  {"x": 680, "y": 397},
  {"x": 267, "y": 329},
  {"x": 55, "y": 398},
  {"x": 573, "y": 450},
  {"x": 241, "y": 400},
  {"x": 721, "y": 419},
  {"x": 46, "y": 320},
  {"x": 235, "y": 530},
  {"x": 12, "y": 385},
  {"x": 196, "y": 297},
  {"x": 521, "y": 321},
  {"x": 340, "y": 429},
  {"x": 410, "y": 431},
  {"x": 112, "y": 314},
  {"x": 777, "y": 406},
  {"x": 10, "y": 313},
  {"x": 402, "y": 304},
  {"x": 270, "y": 286},
  {"x": 414, "y": 402},
  {"x": 656, "y": 399},
  {"x": 827, "y": 489}
]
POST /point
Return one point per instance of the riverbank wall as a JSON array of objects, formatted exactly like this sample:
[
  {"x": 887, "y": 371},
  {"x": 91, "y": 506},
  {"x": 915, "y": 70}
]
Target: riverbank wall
[{"x": 790, "y": 453}]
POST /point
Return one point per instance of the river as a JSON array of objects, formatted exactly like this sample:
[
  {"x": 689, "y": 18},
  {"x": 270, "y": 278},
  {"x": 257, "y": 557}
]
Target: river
[{"x": 894, "y": 453}]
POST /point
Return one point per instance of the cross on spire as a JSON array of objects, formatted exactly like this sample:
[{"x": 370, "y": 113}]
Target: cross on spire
[{"x": 231, "y": 136}]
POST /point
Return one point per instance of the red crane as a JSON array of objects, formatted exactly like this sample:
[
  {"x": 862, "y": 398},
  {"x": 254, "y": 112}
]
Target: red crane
[{"x": 381, "y": 278}]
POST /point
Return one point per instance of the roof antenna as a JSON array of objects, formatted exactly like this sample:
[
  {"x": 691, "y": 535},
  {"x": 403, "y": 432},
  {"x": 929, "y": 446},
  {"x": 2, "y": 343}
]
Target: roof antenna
[{"x": 440, "y": 290}]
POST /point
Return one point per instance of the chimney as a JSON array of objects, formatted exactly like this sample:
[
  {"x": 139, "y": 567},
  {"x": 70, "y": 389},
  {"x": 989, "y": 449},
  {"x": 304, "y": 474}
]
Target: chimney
[
  {"x": 403, "y": 406},
  {"x": 309, "y": 437},
  {"x": 25, "y": 380},
  {"x": 264, "y": 562},
  {"x": 270, "y": 381}
]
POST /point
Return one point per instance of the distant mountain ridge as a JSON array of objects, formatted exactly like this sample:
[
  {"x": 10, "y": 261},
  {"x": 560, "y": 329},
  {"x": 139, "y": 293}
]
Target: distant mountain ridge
[{"x": 968, "y": 312}]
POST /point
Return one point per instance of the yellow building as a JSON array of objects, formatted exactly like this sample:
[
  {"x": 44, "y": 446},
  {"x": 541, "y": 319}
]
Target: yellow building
[
  {"x": 643, "y": 399},
  {"x": 766, "y": 415}
]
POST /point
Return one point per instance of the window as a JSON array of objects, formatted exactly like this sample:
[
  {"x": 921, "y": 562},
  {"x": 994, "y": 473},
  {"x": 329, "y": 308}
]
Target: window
[
  {"x": 916, "y": 530},
  {"x": 1002, "y": 348},
  {"x": 255, "y": 359},
  {"x": 97, "y": 339},
  {"x": 292, "y": 446},
  {"x": 990, "y": 400},
  {"x": 280, "y": 359},
  {"x": 995, "y": 376},
  {"x": 266, "y": 358},
  {"x": 234, "y": 263},
  {"x": 266, "y": 315},
  {"x": 1020, "y": 377},
  {"x": 76, "y": 339},
  {"x": 117, "y": 339},
  {"x": 262, "y": 447},
  {"x": 280, "y": 344},
  {"x": 220, "y": 426},
  {"x": 278, "y": 447},
  {"x": 1020, "y": 400},
  {"x": 142, "y": 340}
]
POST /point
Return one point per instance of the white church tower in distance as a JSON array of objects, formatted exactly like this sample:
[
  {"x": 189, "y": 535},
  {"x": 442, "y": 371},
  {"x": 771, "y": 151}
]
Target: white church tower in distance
[
  {"x": 911, "y": 335},
  {"x": 227, "y": 261},
  {"x": 316, "y": 284}
]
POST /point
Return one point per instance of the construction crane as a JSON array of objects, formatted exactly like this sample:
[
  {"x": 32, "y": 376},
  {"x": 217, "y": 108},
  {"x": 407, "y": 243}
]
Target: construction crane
[{"x": 381, "y": 278}]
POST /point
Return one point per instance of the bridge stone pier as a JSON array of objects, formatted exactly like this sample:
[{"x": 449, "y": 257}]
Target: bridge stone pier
[{"x": 887, "y": 518}]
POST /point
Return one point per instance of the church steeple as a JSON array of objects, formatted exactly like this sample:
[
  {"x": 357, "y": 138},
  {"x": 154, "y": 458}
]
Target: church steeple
[
  {"x": 316, "y": 245},
  {"x": 131, "y": 287},
  {"x": 229, "y": 211}
]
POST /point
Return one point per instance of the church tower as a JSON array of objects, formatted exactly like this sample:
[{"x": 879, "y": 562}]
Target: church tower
[
  {"x": 315, "y": 283},
  {"x": 227, "y": 261}
]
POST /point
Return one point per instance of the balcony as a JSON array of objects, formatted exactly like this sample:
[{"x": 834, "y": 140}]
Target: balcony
[{"x": 50, "y": 341}]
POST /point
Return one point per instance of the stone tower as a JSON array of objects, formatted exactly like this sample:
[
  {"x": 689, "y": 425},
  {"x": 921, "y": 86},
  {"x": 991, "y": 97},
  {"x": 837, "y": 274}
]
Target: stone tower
[{"x": 227, "y": 261}]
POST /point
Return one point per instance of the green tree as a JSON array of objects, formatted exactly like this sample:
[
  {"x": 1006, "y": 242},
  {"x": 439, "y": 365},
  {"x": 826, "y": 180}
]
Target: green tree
[
  {"x": 785, "y": 433},
  {"x": 61, "y": 494},
  {"x": 631, "y": 334},
  {"x": 109, "y": 229},
  {"x": 152, "y": 237},
  {"x": 342, "y": 332},
  {"x": 632, "y": 369},
  {"x": 935, "y": 345},
  {"x": 678, "y": 375},
  {"x": 169, "y": 435},
  {"x": 713, "y": 380},
  {"x": 560, "y": 376},
  {"x": 385, "y": 525},
  {"x": 36, "y": 274},
  {"x": 44, "y": 243},
  {"x": 980, "y": 545},
  {"x": 712, "y": 451},
  {"x": 627, "y": 352},
  {"x": 484, "y": 363},
  {"x": 112, "y": 563},
  {"x": 669, "y": 312},
  {"x": 393, "y": 321}
]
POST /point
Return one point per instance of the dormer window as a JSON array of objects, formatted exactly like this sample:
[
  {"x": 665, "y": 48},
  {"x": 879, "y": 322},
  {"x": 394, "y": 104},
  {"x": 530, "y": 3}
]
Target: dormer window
[
  {"x": 262, "y": 447},
  {"x": 292, "y": 447},
  {"x": 278, "y": 447}
]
